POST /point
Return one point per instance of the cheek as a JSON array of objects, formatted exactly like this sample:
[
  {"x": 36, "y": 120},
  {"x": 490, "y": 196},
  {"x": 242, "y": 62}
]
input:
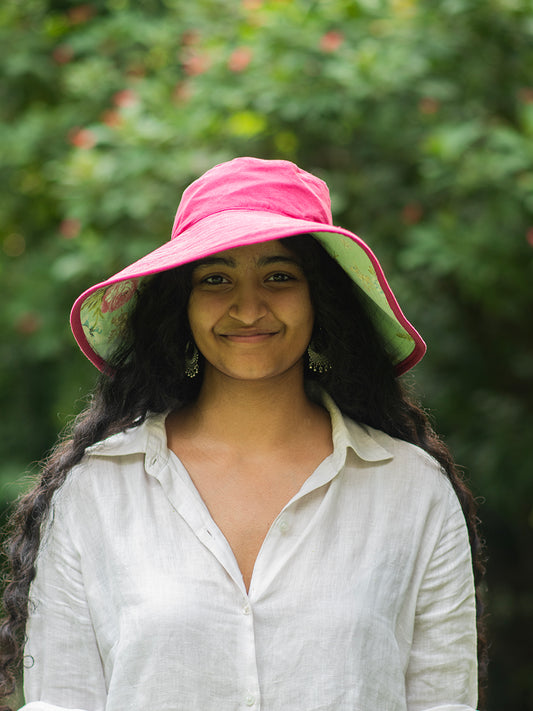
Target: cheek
[
  {"x": 203, "y": 313},
  {"x": 306, "y": 315},
  {"x": 195, "y": 316}
]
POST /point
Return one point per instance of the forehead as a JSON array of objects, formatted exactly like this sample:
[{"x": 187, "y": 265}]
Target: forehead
[{"x": 252, "y": 253}]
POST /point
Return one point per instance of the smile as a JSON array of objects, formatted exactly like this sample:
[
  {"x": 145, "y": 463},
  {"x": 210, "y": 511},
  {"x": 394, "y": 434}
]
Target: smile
[{"x": 248, "y": 336}]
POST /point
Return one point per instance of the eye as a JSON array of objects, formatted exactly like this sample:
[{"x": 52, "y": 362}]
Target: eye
[
  {"x": 214, "y": 280},
  {"x": 280, "y": 277}
]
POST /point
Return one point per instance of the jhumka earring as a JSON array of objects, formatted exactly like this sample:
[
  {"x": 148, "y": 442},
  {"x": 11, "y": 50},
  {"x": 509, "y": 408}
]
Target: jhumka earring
[
  {"x": 192, "y": 367},
  {"x": 318, "y": 362}
]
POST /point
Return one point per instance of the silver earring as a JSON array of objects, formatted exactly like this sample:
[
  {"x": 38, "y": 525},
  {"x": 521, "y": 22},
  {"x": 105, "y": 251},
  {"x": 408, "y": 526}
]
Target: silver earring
[
  {"x": 318, "y": 362},
  {"x": 192, "y": 367}
]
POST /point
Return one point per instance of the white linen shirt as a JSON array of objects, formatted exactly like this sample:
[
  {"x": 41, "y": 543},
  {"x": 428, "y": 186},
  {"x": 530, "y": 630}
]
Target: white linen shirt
[{"x": 361, "y": 598}]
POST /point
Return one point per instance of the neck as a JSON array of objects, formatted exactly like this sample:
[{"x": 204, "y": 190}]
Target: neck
[{"x": 259, "y": 413}]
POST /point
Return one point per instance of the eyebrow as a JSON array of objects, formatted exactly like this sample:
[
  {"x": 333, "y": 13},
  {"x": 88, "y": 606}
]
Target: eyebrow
[{"x": 229, "y": 262}]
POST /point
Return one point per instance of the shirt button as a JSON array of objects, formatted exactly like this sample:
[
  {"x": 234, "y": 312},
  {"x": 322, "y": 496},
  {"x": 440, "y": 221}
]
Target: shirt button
[
  {"x": 153, "y": 461},
  {"x": 250, "y": 700},
  {"x": 283, "y": 526},
  {"x": 246, "y": 609}
]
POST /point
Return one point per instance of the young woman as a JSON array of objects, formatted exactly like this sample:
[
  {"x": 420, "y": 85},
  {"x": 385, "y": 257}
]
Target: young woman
[{"x": 251, "y": 513}]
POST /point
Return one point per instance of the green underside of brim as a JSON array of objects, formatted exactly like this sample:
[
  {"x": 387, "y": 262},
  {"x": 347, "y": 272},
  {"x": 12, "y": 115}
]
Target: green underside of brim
[
  {"x": 105, "y": 331},
  {"x": 357, "y": 264}
]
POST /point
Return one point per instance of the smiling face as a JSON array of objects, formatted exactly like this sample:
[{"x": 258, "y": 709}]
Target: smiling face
[{"x": 250, "y": 311}]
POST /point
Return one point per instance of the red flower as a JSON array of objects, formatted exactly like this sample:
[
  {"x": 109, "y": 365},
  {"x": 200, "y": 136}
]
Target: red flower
[
  {"x": 427, "y": 105},
  {"x": 136, "y": 71},
  {"x": 62, "y": 54},
  {"x": 195, "y": 63},
  {"x": 331, "y": 41},
  {"x": 125, "y": 98},
  {"x": 82, "y": 138},
  {"x": 239, "y": 59},
  {"x": 526, "y": 95},
  {"x": 69, "y": 228},
  {"x": 252, "y": 4},
  {"x": 412, "y": 213},
  {"x": 112, "y": 118},
  {"x": 28, "y": 323},
  {"x": 80, "y": 14}
]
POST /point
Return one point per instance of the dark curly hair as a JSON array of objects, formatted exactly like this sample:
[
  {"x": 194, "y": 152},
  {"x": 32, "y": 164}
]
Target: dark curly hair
[{"x": 149, "y": 377}]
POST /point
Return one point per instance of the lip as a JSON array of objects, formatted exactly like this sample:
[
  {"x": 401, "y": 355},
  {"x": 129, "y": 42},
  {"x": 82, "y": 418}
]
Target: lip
[{"x": 248, "y": 336}]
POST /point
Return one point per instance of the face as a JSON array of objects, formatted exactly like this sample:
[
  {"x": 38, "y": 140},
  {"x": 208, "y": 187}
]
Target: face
[{"x": 250, "y": 311}]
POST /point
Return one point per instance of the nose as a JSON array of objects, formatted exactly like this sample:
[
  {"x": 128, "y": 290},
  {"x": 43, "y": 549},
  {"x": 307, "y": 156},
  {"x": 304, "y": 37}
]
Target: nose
[{"x": 248, "y": 304}]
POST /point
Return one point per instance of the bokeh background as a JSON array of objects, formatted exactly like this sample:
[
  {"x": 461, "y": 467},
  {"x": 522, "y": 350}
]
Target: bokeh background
[{"x": 419, "y": 115}]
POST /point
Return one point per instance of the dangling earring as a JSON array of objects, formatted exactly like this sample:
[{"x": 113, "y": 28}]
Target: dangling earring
[
  {"x": 192, "y": 367},
  {"x": 318, "y": 362}
]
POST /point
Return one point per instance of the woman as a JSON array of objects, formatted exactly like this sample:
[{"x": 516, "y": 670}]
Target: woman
[{"x": 251, "y": 513}]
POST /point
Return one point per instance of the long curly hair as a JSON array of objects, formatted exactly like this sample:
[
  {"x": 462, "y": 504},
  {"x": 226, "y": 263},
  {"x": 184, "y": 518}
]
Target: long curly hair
[{"x": 149, "y": 377}]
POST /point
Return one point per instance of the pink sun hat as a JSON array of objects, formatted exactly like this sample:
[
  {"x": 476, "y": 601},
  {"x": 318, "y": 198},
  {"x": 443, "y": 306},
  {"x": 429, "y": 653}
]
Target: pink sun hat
[{"x": 242, "y": 202}]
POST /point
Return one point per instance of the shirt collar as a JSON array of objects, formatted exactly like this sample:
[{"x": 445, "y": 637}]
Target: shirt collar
[
  {"x": 150, "y": 438},
  {"x": 348, "y": 434},
  {"x": 146, "y": 438}
]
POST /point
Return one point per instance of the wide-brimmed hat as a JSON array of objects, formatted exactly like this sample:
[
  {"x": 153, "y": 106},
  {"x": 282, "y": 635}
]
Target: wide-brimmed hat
[{"x": 242, "y": 202}]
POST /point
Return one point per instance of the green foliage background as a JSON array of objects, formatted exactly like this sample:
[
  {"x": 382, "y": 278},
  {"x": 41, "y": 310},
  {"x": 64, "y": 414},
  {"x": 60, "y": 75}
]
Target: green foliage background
[{"x": 419, "y": 115}]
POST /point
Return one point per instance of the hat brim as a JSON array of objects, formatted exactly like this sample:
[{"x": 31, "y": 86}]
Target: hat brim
[{"x": 98, "y": 316}]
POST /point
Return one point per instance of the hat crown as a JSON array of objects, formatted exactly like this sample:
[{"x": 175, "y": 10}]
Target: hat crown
[{"x": 253, "y": 184}]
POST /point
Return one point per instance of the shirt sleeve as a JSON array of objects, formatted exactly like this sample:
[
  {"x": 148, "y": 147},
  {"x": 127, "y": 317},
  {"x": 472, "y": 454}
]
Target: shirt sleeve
[
  {"x": 442, "y": 669},
  {"x": 62, "y": 665}
]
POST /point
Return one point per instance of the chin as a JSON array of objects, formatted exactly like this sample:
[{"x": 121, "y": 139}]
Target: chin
[{"x": 249, "y": 373}]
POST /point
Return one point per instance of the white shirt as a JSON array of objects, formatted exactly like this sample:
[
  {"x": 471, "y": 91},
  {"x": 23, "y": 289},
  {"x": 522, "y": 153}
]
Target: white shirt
[{"x": 361, "y": 598}]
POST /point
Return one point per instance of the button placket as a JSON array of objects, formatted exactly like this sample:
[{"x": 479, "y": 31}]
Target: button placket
[
  {"x": 283, "y": 525},
  {"x": 250, "y": 678}
]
